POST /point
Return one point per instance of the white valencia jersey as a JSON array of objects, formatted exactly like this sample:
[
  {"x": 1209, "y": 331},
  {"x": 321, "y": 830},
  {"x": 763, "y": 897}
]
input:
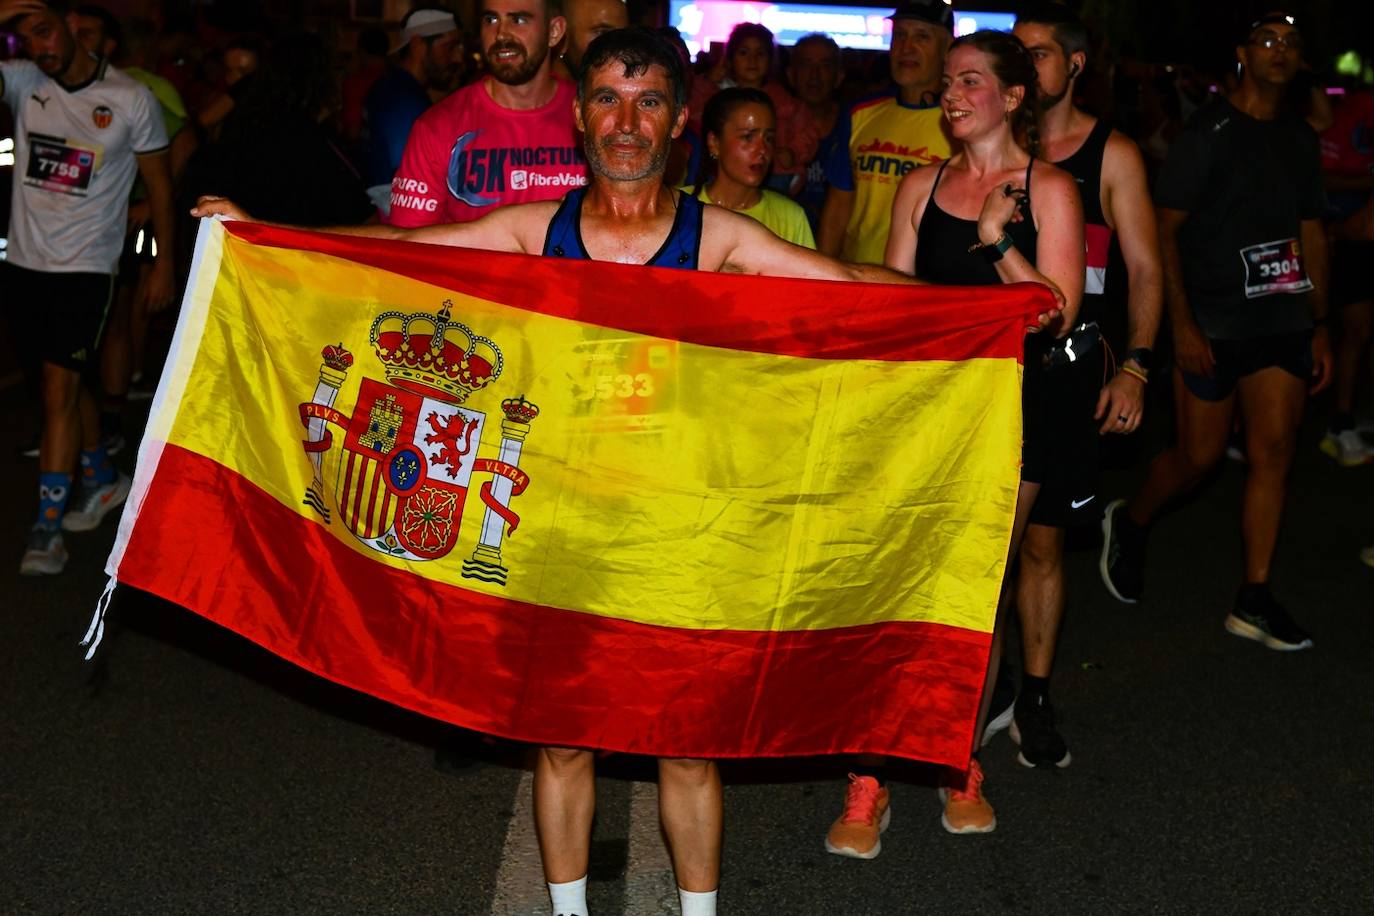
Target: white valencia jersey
[{"x": 74, "y": 165}]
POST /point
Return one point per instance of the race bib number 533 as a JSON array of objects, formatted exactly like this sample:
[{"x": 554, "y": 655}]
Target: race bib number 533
[{"x": 1274, "y": 267}]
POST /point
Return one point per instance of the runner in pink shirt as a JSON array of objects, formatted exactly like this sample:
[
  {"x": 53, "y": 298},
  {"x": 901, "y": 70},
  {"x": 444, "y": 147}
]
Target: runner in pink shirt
[{"x": 506, "y": 139}]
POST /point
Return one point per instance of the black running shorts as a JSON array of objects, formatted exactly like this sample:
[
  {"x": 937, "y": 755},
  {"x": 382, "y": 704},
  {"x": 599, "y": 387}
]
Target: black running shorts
[
  {"x": 1061, "y": 437},
  {"x": 55, "y": 317},
  {"x": 1236, "y": 359}
]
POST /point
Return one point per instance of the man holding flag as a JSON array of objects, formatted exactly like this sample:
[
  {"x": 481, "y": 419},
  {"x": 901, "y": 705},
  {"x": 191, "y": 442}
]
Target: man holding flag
[{"x": 630, "y": 105}]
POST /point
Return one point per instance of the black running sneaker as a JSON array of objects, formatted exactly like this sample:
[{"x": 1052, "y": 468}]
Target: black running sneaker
[
  {"x": 1033, "y": 728},
  {"x": 1122, "y": 563},
  {"x": 1259, "y": 617}
]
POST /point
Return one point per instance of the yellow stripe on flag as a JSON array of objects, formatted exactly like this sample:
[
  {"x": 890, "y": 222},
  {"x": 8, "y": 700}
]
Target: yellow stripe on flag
[{"x": 690, "y": 519}]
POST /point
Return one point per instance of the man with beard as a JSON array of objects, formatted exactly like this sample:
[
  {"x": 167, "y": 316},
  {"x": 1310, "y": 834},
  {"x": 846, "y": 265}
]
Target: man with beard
[
  {"x": 83, "y": 129},
  {"x": 888, "y": 135},
  {"x": 428, "y": 58},
  {"x": 506, "y": 139},
  {"x": 631, "y": 102},
  {"x": 1111, "y": 179},
  {"x": 1239, "y": 203}
]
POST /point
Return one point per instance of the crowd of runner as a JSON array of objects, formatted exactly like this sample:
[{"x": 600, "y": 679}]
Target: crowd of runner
[{"x": 561, "y": 130}]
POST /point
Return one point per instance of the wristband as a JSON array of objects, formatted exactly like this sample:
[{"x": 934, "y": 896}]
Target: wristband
[{"x": 1132, "y": 370}]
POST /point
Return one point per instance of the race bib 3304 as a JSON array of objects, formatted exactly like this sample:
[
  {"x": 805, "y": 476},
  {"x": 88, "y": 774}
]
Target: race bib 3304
[{"x": 1274, "y": 267}]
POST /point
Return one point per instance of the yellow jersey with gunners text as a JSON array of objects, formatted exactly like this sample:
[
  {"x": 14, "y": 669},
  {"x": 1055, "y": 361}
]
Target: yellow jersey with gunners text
[
  {"x": 75, "y": 150},
  {"x": 886, "y": 140}
]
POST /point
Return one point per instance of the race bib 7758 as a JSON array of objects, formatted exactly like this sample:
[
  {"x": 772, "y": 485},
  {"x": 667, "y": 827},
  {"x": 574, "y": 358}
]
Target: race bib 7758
[{"x": 55, "y": 164}]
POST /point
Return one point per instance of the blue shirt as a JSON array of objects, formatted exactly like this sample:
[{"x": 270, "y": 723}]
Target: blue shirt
[
  {"x": 393, "y": 104},
  {"x": 834, "y": 146}
]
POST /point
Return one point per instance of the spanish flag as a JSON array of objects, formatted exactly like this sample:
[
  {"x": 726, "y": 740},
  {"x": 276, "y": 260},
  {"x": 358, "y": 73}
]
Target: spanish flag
[{"x": 585, "y": 504}]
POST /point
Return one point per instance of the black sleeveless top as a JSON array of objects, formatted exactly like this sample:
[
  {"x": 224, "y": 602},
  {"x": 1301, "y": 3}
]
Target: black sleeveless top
[
  {"x": 1085, "y": 165},
  {"x": 942, "y": 257},
  {"x": 680, "y": 249},
  {"x": 942, "y": 242}
]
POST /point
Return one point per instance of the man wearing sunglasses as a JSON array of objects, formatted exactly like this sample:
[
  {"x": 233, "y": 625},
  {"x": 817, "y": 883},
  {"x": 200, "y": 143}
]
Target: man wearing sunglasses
[{"x": 1239, "y": 204}]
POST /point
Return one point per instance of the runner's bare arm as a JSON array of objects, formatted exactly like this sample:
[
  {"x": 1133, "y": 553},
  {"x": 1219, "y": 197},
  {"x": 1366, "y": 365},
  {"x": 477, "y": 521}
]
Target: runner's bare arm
[
  {"x": 157, "y": 291},
  {"x": 1057, "y": 210},
  {"x": 1192, "y": 351},
  {"x": 13, "y": 9},
  {"x": 1314, "y": 253},
  {"x": 1130, "y": 212},
  {"x": 907, "y": 209},
  {"x": 1128, "y": 209},
  {"x": 517, "y": 228},
  {"x": 738, "y": 244}
]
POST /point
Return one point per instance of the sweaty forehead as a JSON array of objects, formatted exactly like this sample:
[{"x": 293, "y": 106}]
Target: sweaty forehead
[{"x": 611, "y": 75}]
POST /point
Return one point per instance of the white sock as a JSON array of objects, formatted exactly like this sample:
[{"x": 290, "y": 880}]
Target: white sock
[
  {"x": 694, "y": 904},
  {"x": 570, "y": 899}
]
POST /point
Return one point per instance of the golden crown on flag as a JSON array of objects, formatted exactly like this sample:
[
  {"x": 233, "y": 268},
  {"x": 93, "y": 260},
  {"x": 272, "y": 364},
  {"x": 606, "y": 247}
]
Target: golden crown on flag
[
  {"x": 433, "y": 355},
  {"x": 336, "y": 357},
  {"x": 519, "y": 410}
]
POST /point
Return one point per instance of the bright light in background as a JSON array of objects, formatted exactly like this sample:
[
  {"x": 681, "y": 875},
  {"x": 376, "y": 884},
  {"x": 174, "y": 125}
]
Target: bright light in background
[
  {"x": 6, "y": 151},
  {"x": 703, "y": 22}
]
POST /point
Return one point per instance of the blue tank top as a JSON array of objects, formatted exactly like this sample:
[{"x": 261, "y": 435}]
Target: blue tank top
[{"x": 680, "y": 249}]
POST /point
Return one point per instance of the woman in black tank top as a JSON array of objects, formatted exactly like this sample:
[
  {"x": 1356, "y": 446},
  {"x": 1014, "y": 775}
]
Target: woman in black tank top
[{"x": 974, "y": 222}]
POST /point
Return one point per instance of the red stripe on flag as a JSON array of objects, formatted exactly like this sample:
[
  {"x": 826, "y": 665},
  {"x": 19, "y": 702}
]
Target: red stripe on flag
[
  {"x": 345, "y": 507},
  {"x": 373, "y": 523},
  {"x": 790, "y": 317},
  {"x": 540, "y": 674}
]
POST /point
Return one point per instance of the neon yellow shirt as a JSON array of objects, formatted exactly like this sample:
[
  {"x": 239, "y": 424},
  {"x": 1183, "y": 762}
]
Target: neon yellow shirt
[
  {"x": 783, "y": 216},
  {"x": 173, "y": 109}
]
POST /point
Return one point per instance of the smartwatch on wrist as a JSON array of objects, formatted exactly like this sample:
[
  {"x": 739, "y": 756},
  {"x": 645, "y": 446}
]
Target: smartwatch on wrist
[
  {"x": 1143, "y": 357},
  {"x": 994, "y": 252}
]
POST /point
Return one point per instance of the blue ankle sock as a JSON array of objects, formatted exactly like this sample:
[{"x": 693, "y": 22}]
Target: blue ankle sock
[
  {"x": 53, "y": 490},
  {"x": 96, "y": 467}
]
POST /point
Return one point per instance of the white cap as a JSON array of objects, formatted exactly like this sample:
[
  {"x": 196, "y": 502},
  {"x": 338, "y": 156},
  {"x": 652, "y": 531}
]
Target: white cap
[{"x": 424, "y": 23}]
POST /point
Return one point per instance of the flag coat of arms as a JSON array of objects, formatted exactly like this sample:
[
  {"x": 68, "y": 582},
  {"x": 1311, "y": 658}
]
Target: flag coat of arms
[{"x": 583, "y": 504}]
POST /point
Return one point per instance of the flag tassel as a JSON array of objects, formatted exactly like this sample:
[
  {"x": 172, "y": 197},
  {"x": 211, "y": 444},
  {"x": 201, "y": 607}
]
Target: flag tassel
[{"x": 96, "y": 631}]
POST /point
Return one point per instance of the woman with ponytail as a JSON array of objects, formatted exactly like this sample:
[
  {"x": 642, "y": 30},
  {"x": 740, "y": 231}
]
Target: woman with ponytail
[
  {"x": 740, "y": 129},
  {"x": 993, "y": 213}
]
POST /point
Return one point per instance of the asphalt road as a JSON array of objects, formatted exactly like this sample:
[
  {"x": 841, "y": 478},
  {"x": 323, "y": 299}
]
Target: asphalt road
[{"x": 190, "y": 772}]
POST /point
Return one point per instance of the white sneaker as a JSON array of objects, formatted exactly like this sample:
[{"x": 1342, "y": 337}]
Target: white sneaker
[
  {"x": 1347, "y": 447},
  {"x": 95, "y": 504},
  {"x": 46, "y": 555}
]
